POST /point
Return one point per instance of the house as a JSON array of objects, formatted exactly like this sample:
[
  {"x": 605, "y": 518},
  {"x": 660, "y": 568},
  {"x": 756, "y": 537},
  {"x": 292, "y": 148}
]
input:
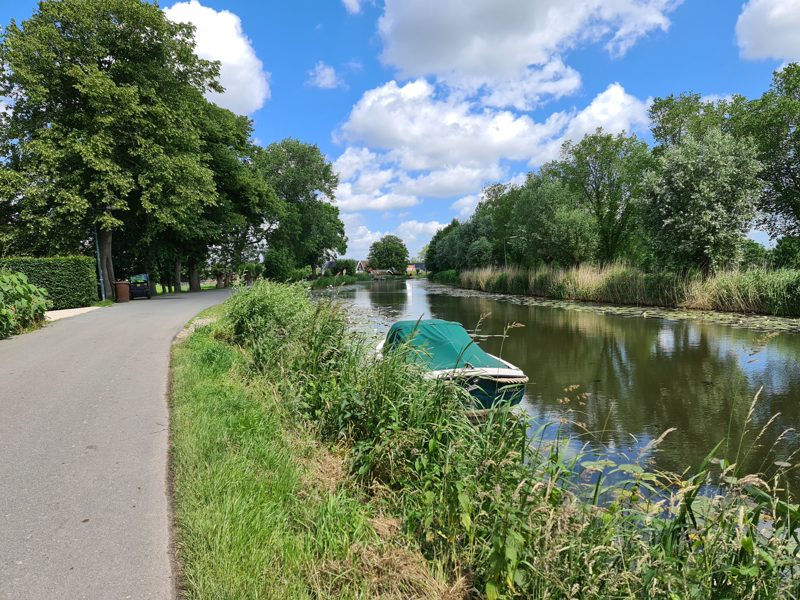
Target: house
[
  {"x": 419, "y": 266},
  {"x": 362, "y": 266},
  {"x": 411, "y": 270}
]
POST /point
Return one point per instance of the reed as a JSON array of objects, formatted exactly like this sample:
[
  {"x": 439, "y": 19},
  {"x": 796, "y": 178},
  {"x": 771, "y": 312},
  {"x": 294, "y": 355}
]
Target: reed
[
  {"x": 755, "y": 291},
  {"x": 505, "y": 515}
]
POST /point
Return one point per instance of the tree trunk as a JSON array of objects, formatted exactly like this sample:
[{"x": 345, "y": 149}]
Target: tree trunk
[
  {"x": 194, "y": 275},
  {"x": 220, "y": 280},
  {"x": 106, "y": 263},
  {"x": 228, "y": 279},
  {"x": 178, "y": 276}
]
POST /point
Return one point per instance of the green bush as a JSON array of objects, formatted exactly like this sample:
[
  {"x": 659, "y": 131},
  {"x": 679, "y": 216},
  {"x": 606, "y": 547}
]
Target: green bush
[
  {"x": 346, "y": 266},
  {"x": 70, "y": 281},
  {"x": 278, "y": 264},
  {"x": 337, "y": 280},
  {"x": 22, "y": 304},
  {"x": 449, "y": 277}
]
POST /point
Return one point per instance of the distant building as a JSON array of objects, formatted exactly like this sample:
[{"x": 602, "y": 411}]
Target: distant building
[
  {"x": 329, "y": 267},
  {"x": 362, "y": 266}
]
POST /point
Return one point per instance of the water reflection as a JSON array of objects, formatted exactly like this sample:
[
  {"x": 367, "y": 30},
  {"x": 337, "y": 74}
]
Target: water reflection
[{"x": 642, "y": 376}]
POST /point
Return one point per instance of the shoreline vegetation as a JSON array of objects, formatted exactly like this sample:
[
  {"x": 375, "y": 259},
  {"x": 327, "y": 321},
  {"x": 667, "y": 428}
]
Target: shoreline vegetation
[
  {"x": 753, "y": 291},
  {"x": 304, "y": 468}
]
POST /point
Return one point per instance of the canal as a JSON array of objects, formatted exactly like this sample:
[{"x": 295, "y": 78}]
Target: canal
[{"x": 612, "y": 383}]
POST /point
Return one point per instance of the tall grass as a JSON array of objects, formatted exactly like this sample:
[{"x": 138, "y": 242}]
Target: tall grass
[
  {"x": 499, "y": 514},
  {"x": 754, "y": 291},
  {"x": 262, "y": 511}
]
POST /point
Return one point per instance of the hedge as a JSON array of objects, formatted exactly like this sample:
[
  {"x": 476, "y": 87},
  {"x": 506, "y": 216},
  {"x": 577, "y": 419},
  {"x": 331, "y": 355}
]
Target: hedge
[{"x": 70, "y": 281}]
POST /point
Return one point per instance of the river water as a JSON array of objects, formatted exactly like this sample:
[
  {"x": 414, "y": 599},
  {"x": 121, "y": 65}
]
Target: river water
[{"x": 613, "y": 383}]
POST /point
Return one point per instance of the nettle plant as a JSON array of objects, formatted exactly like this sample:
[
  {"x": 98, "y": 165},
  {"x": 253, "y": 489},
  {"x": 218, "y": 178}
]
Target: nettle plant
[{"x": 22, "y": 304}]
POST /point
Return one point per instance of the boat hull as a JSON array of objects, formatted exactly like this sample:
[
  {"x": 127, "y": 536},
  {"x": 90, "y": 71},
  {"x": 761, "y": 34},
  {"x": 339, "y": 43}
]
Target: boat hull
[{"x": 491, "y": 393}]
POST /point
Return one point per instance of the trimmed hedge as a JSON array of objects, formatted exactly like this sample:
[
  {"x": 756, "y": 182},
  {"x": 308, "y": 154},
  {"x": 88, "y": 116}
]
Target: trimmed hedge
[{"x": 70, "y": 281}]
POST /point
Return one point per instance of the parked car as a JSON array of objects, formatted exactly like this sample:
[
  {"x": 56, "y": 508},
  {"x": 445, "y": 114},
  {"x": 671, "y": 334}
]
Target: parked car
[{"x": 140, "y": 286}]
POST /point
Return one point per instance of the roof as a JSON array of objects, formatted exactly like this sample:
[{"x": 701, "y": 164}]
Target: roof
[{"x": 441, "y": 345}]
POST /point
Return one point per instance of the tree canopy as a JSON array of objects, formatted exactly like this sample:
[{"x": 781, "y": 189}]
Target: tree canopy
[
  {"x": 109, "y": 131},
  {"x": 389, "y": 252}
]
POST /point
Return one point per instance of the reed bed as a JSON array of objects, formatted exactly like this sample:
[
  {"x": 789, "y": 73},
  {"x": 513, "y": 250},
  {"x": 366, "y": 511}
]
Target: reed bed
[
  {"x": 755, "y": 291},
  {"x": 502, "y": 515}
]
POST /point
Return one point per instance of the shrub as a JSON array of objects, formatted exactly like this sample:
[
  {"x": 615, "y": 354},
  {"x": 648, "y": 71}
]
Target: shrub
[
  {"x": 449, "y": 277},
  {"x": 278, "y": 264},
  {"x": 70, "y": 281},
  {"x": 345, "y": 265},
  {"x": 22, "y": 304},
  {"x": 336, "y": 280}
]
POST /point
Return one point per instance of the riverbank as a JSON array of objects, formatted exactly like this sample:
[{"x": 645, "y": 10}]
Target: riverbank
[
  {"x": 760, "y": 292},
  {"x": 489, "y": 511},
  {"x": 262, "y": 510}
]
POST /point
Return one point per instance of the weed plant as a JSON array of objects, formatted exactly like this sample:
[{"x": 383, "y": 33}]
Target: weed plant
[{"x": 513, "y": 516}]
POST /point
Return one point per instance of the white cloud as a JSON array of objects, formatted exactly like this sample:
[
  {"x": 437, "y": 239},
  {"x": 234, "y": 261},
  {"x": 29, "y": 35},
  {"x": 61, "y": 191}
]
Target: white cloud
[
  {"x": 219, "y": 36},
  {"x": 419, "y": 130},
  {"x": 422, "y": 131},
  {"x": 350, "y": 200},
  {"x": 353, "y": 6},
  {"x": 513, "y": 47},
  {"x": 324, "y": 77},
  {"x": 769, "y": 29},
  {"x": 449, "y": 182},
  {"x": 414, "y": 233},
  {"x": 466, "y": 206}
]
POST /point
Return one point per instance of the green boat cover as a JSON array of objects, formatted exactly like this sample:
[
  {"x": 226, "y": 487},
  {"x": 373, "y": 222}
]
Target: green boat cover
[{"x": 443, "y": 345}]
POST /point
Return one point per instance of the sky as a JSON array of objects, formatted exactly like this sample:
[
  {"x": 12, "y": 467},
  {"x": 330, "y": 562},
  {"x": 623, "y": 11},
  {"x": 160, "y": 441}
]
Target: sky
[{"x": 420, "y": 104}]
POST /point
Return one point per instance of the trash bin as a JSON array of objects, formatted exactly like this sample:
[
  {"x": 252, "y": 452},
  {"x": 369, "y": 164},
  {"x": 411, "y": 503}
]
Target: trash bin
[{"x": 123, "y": 289}]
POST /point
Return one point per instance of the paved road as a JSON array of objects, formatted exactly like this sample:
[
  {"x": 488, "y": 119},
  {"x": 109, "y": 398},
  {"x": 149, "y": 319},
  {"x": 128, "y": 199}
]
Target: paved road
[{"x": 83, "y": 453}]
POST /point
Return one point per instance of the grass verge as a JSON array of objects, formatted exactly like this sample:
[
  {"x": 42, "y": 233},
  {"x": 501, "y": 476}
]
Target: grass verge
[
  {"x": 755, "y": 291},
  {"x": 262, "y": 510}
]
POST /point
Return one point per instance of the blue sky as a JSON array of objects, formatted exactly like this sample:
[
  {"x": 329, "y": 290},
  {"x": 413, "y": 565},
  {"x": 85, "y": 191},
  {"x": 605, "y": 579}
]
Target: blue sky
[{"x": 421, "y": 104}]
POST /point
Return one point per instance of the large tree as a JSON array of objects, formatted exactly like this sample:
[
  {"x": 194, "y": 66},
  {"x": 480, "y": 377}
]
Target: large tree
[
  {"x": 389, "y": 252},
  {"x": 774, "y": 123},
  {"x": 606, "y": 172},
  {"x": 306, "y": 182},
  {"x": 701, "y": 200},
  {"x": 105, "y": 97}
]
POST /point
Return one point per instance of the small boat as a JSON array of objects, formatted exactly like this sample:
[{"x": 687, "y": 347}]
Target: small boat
[{"x": 446, "y": 351}]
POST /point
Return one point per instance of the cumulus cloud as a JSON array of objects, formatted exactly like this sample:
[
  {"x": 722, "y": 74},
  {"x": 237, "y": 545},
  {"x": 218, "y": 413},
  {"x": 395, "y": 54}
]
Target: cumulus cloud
[
  {"x": 512, "y": 47},
  {"x": 219, "y": 36},
  {"x": 360, "y": 237},
  {"x": 421, "y": 131},
  {"x": 324, "y": 77},
  {"x": 465, "y": 206},
  {"x": 769, "y": 29},
  {"x": 353, "y": 6}
]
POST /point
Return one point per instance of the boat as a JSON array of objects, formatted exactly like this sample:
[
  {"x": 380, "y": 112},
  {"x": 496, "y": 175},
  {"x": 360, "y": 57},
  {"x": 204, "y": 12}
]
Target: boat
[{"x": 446, "y": 351}]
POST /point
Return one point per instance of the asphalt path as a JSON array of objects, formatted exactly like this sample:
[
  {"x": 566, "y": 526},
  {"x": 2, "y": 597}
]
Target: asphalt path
[{"x": 84, "y": 511}]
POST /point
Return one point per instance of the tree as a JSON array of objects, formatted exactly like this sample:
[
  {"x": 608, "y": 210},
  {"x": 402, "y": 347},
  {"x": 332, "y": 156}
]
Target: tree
[
  {"x": 549, "y": 226},
  {"x": 786, "y": 254},
  {"x": 674, "y": 117},
  {"x": 701, "y": 200},
  {"x": 606, "y": 172},
  {"x": 774, "y": 123},
  {"x": 389, "y": 252},
  {"x": 105, "y": 96},
  {"x": 301, "y": 177},
  {"x": 436, "y": 259},
  {"x": 479, "y": 253}
]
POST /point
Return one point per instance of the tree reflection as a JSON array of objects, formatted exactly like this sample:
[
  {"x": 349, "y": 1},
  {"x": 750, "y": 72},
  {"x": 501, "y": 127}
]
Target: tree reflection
[{"x": 645, "y": 376}]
